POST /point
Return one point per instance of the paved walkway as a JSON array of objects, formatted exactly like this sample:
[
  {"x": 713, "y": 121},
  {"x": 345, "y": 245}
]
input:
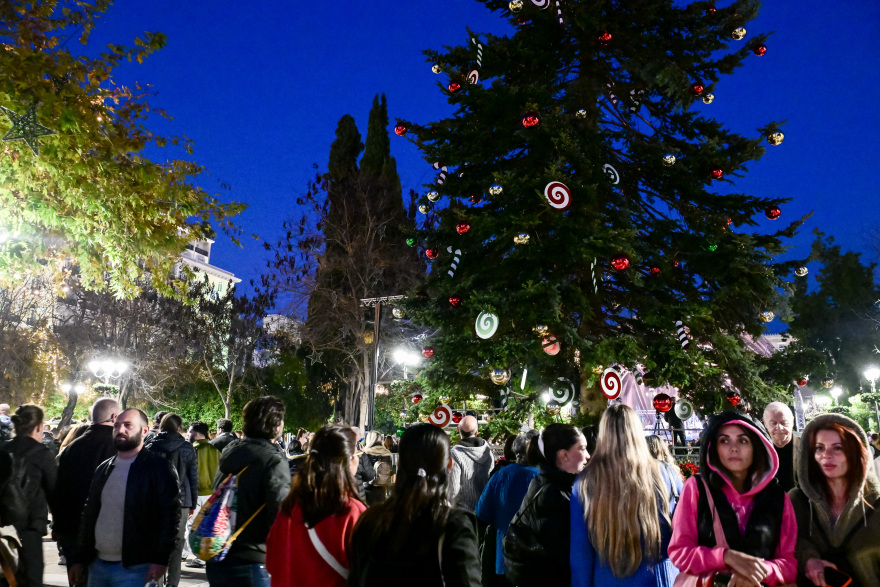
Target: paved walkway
[{"x": 55, "y": 575}]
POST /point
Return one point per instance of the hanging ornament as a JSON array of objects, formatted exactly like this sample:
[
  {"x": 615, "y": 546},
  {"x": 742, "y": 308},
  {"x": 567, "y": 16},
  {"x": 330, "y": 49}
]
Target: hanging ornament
[
  {"x": 541, "y": 330},
  {"x": 801, "y": 271},
  {"x": 802, "y": 381},
  {"x": 611, "y": 174},
  {"x": 562, "y": 393},
  {"x": 444, "y": 399},
  {"x": 605, "y": 38},
  {"x": 456, "y": 258},
  {"x": 530, "y": 119},
  {"x": 682, "y": 334},
  {"x": 398, "y": 313},
  {"x": 828, "y": 383},
  {"x": 400, "y": 431},
  {"x": 767, "y": 316},
  {"x": 738, "y": 34},
  {"x": 433, "y": 196},
  {"x": 454, "y": 301},
  {"x": 521, "y": 239},
  {"x": 662, "y": 402},
  {"x": 423, "y": 208},
  {"x": 683, "y": 409},
  {"x": 712, "y": 247},
  {"x": 773, "y": 212},
  {"x": 425, "y": 418},
  {"x": 708, "y": 98},
  {"x": 611, "y": 383},
  {"x": 551, "y": 345},
  {"x": 734, "y": 398},
  {"x": 442, "y": 416},
  {"x": 558, "y": 195},
  {"x": 669, "y": 160},
  {"x": 710, "y": 11},
  {"x": 400, "y": 130},
  {"x": 26, "y": 128},
  {"x": 775, "y": 138},
  {"x": 462, "y": 227},
  {"x": 453, "y": 87},
  {"x": 495, "y": 189},
  {"x": 411, "y": 242},
  {"x": 428, "y": 352},
  {"x": 500, "y": 376},
  {"x": 476, "y": 199},
  {"x": 431, "y": 253},
  {"x": 456, "y": 417},
  {"x": 436, "y": 68},
  {"x": 697, "y": 88},
  {"x": 553, "y": 408},
  {"x": 594, "y": 272},
  {"x": 654, "y": 271},
  {"x": 716, "y": 173},
  {"x": 416, "y": 398},
  {"x": 760, "y": 50},
  {"x": 487, "y": 325},
  {"x": 620, "y": 262},
  {"x": 581, "y": 114},
  {"x": 473, "y": 77},
  {"x": 515, "y": 6},
  {"x": 441, "y": 177}
]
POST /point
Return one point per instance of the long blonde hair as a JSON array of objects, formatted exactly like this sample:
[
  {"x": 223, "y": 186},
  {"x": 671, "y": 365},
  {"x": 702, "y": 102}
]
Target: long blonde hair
[{"x": 623, "y": 494}]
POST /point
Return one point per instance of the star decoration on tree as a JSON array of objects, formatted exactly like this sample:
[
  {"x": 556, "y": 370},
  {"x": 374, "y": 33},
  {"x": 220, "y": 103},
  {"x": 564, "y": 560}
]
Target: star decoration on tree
[
  {"x": 315, "y": 357},
  {"x": 26, "y": 128}
]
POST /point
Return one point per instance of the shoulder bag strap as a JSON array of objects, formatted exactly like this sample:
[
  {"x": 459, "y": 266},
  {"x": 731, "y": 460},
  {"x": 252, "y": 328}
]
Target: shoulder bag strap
[
  {"x": 325, "y": 554},
  {"x": 440, "y": 557}
]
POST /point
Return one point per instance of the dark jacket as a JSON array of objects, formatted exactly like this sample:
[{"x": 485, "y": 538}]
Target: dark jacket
[
  {"x": 266, "y": 481},
  {"x": 365, "y": 476},
  {"x": 389, "y": 558},
  {"x": 184, "y": 460},
  {"x": 76, "y": 469},
  {"x": 546, "y": 509},
  {"x": 41, "y": 475},
  {"x": 223, "y": 439},
  {"x": 10, "y": 512},
  {"x": 152, "y": 512}
]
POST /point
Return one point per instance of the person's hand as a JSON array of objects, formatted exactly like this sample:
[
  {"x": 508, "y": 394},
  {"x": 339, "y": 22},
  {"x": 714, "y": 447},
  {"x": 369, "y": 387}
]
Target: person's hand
[
  {"x": 815, "y": 570},
  {"x": 737, "y": 580},
  {"x": 156, "y": 572},
  {"x": 192, "y": 512},
  {"x": 747, "y": 566},
  {"x": 74, "y": 574}
]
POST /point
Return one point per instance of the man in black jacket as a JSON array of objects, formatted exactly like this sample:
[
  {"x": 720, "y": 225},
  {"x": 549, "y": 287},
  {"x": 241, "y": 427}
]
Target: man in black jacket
[
  {"x": 225, "y": 435},
  {"x": 76, "y": 468},
  {"x": 129, "y": 525},
  {"x": 266, "y": 482},
  {"x": 170, "y": 444}
]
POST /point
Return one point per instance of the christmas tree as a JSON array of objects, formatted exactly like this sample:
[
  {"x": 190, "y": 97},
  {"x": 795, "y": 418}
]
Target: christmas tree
[{"x": 583, "y": 215}]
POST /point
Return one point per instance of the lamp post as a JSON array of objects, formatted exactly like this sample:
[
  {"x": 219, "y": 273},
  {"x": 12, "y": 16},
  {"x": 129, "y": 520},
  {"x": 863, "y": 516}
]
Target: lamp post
[
  {"x": 872, "y": 374},
  {"x": 106, "y": 369}
]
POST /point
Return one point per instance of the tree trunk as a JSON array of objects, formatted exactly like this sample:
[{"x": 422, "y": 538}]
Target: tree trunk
[
  {"x": 67, "y": 414},
  {"x": 593, "y": 401}
]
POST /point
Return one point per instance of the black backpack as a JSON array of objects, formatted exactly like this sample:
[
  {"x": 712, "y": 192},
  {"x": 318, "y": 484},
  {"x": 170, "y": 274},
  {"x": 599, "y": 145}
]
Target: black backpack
[{"x": 15, "y": 491}]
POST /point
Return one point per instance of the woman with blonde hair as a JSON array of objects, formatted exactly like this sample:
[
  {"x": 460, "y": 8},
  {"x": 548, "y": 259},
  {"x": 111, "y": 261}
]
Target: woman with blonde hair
[{"x": 620, "y": 510}]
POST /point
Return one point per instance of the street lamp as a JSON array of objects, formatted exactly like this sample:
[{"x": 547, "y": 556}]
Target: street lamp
[
  {"x": 872, "y": 374},
  {"x": 405, "y": 357},
  {"x": 107, "y": 369},
  {"x": 77, "y": 388},
  {"x": 835, "y": 393}
]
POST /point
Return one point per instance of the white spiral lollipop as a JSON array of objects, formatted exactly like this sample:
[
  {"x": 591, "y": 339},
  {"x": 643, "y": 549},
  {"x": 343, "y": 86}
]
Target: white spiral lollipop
[
  {"x": 558, "y": 195},
  {"x": 487, "y": 324},
  {"x": 684, "y": 409},
  {"x": 442, "y": 416},
  {"x": 542, "y": 4},
  {"x": 563, "y": 393},
  {"x": 611, "y": 174},
  {"x": 473, "y": 76},
  {"x": 610, "y": 383}
]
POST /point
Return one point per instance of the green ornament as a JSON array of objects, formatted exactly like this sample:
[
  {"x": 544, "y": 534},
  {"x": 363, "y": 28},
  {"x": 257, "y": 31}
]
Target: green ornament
[
  {"x": 411, "y": 241},
  {"x": 400, "y": 431},
  {"x": 26, "y": 128},
  {"x": 712, "y": 247}
]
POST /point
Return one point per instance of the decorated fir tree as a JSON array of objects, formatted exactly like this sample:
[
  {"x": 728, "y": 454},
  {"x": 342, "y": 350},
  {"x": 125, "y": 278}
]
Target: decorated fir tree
[{"x": 584, "y": 213}]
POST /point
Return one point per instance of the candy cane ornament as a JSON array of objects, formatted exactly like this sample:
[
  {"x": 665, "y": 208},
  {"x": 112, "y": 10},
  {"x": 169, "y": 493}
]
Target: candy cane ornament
[
  {"x": 455, "y": 261},
  {"x": 611, "y": 383},
  {"x": 479, "y": 52},
  {"x": 441, "y": 177},
  {"x": 442, "y": 416},
  {"x": 682, "y": 335},
  {"x": 559, "y": 14}
]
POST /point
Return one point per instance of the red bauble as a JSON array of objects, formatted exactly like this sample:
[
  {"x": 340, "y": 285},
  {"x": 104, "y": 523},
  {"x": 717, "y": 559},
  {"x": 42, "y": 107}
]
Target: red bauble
[
  {"x": 710, "y": 10},
  {"x": 416, "y": 398},
  {"x": 655, "y": 271},
  {"x": 462, "y": 227},
  {"x": 431, "y": 253},
  {"x": 716, "y": 173},
  {"x": 729, "y": 221},
  {"x": 476, "y": 199},
  {"x": 454, "y": 301},
  {"x": 761, "y": 50},
  {"x": 697, "y": 88},
  {"x": 530, "y": 119},
  {"x": 662, "y": 402},
  {"x": 454, "y": 87},
  {"x": 400, "y": 130},
  {"x": 773, "y": 212},
  {"x": 428, "y": 352},
  {"x": 734, "y": 398},
  {"x": 620, "y": 262},
  {"x": 676, "y": 263},
  {"x": 801, "y": 382},
  {"x": 605, "y": 38},
  {"x": 456, "y": 417}
]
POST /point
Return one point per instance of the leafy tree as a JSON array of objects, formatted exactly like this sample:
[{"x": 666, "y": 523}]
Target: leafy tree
[
  {"x": 88, "y": 192},
  {"x": 602, "y": 105}
]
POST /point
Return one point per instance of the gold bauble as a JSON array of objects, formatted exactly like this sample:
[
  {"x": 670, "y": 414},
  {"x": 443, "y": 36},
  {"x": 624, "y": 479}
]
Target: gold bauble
[
  {"x": 581, "y": 113},
  {"x": 669, "y": 160},
  {"x": 801, "y": 271},
  {"x": 496, "y": 189},
  {"x": 541, "y": 330},
  {"x": 521, "y": 239},
  {"x": 515, "y": 5},
  {"x": 423, "y": 208},
  {"x": 433, "y": 196},
  {"x": 738, "y": 34},
  {"x": 424, "y": 417},
  {"x": 767, "y": 316},
  {"x": 775, "y": 138},
  {"x": 708, "y": 98},
  {"x": 444, "y": 399},
  {"x": 598, "y": 369},
  {"x": 828, "y": 383},
  {"x": 553, "y": 408},
  {"x": 500, "y": 376},
  {"x": 368, "y": 338}
]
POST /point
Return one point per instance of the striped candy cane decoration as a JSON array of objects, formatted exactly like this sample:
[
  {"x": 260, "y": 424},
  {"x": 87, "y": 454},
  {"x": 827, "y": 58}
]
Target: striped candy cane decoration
[
  {"x": 594, "y": 271},
  {"x": 455, "y": 261},
  {"x": 559, "y": 14},
  {"x": 441, "y": 177},
  {"x": 479, "y": 52},
  {"x": 682, "y": 335}
]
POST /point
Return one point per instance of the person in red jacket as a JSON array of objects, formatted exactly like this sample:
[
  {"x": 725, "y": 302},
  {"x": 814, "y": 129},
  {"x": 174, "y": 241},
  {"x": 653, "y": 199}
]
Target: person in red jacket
[{"x": 309, "y": 541}]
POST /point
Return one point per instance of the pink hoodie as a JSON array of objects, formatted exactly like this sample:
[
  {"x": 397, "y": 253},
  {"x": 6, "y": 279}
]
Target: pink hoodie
[{"x": 689, "y": 557}]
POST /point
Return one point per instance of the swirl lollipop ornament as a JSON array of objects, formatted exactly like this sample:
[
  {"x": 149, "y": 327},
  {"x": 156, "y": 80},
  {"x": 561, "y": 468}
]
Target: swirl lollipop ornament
[
  {"x": 558, "y": 195},
  {"x": 442, "y": 416},
  {"x": 611, "y": 383},
  {"x": 487, "y": 325},
  {"x": 683, "y": 409},
  {"x": 562, "y": 394}
]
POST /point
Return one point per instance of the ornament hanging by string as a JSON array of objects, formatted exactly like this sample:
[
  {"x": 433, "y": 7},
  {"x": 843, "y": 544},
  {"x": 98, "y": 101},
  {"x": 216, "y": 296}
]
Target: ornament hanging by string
[
  {"x": 423, "y": 208},
  {"x": 620, "y": 262},
  {"x": 441, "y": 177},
  {"x": 801, "y": 271},
  {"x": 738, "y": 34},
  {"x": 515, "y": 6},
  {"x": 428, "y": 352},
  {"x": 697, "y": 88},
  {"x": 455, "y": 301},
  {"x": 456, "y": 417},
  {"x": 773, "y": 212},
  {"x": 433, "y": 196},
  {"x": 521, "y": 239},
  {"x": 442, "y": 416},
  {"x": 760, "y": 50},
  {"x": 500, "y": 376},
  {"x": 734, "y": 398},
  {"x": 444, "y": 399},
  {"x": 551, "y": 345},
  {"x": 453, "y": 87},
  {"x": 716, "y": 173},
  {"x": 669, "y": 160},
  {"x": 828, "y": 383},
  {"x": 416, "y": 398},
  {"x": 683, "y": 409},
  {"x": 425, "y": 418},
  {"x": 26, "y": 128},
  {"x": 456, "y": 258},
  {"x": 411, "y": 242},
  {"x": 553, "y": 408},
  {"x": 462, "y": 227},
  {"x": 479, "y": 52},
  {"x": 400, "y": 130},
  {"x": 662, "y": 402},
  {"x": 436, "y": 68},
  {"x": 563, "y": 393},
  {"x": 487, "y": 325},
  {"x": 605, "y": 38},
  {"x": 775, "y": 138},
  {"x": 611, "y": 174},
  {"x": 802, "y": 381},
  {"x": 398, "y": 313},
  {"x": 708, "y": 98},
  {"x": 495, "y": 189},
  {"x": 541, "y": 330},
  {"x": 558, "y": 195},
  {"x": 767, "y": 316},
  {"x": 682, "y": 334},
  {"x": 610, "y": 383},
  {"x": 431, "y": 253},
  {"x": 581, "y": 114},
  {"x": 530, "y": 119}
]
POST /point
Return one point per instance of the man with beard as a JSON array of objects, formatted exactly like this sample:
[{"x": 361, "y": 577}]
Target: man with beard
[{"x": 129, "y": 525}]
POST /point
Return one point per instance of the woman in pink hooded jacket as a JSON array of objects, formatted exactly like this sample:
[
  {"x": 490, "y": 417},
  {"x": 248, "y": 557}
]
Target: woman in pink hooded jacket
[{"x": 737, "y": 496}]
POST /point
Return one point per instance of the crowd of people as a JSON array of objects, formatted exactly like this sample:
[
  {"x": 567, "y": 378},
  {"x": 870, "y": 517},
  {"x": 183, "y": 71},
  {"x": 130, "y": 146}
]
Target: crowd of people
[{"x": 563, "y": 506}]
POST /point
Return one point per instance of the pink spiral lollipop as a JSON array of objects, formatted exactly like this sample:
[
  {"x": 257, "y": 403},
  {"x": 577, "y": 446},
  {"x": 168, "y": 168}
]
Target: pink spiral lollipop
[
  {"x": 442, "y": 416},
  {"x": 558, "y": 195},
  {"x": 611, "y": 383},
  {"x": 473, "y": 76}
]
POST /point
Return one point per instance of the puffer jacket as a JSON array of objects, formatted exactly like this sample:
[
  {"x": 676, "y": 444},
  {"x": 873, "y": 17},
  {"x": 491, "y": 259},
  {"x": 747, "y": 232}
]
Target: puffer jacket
[
  {"x": 859, "y": 522},
  {"x": 265, "y": 482},
  {"x": 182, "y": 457},
  {"x": 691, "y": 555}
]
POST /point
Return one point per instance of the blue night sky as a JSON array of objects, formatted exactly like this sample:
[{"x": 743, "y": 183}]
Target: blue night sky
[{"x": 260, "y": 86}]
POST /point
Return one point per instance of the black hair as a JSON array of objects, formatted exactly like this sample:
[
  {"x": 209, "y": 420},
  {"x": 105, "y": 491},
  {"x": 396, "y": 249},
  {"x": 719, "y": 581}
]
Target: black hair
[
  {"x": 509, "y": 454},
  {"x": 224, "y": 425},
  {"x": 200, "y": 427},
  {"x": 709, "y": 448},
  {"x": 591, "y": 435},
  {"x": 26, "y": 419},
  {"x": 157, "y": 419},
  {"x": 171, "y": 423},
  {"x": 556, "y": 437},
  {"x": 262, "y": 417}
]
